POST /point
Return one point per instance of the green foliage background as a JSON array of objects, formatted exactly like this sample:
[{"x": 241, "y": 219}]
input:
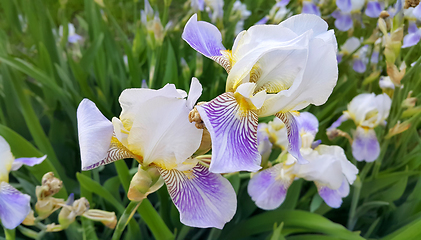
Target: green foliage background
[{"x": 43, "y": 78}]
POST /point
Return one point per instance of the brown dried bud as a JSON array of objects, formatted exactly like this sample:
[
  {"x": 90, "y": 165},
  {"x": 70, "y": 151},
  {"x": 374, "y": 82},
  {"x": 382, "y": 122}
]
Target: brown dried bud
[
  {"x": 50, "y": 186},
  {"x": 194, "y": 116},
  {"x": 411, "y": 3},
  {"x": 384, "y": 14}
]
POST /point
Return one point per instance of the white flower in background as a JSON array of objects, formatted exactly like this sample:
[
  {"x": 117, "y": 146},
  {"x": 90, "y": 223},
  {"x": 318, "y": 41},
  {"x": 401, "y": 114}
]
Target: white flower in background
[
  {"x": 328, "y": 167},
  {"x": 14, "y": 205},
  {"x": 213, "y": 7},
  {"x": 239, "y": 10},
  {"x": 154, "y": 129},
  {"x": 72, "y": 37},
  {"x": 368, "y": 111},
  {"x": 272, "y": 70}
]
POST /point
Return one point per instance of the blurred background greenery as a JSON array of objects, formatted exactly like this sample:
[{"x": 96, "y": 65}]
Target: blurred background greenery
[{"x": 43, "y": 77}]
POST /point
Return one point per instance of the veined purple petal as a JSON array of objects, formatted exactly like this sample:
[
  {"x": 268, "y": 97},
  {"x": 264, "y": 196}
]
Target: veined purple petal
[
  {"x": 338, "y": 122},
  {"x": 373, "y": 9},
  {"x": 263, "y": 144},
  {"x": 204, "y": 199},
  {"x": 203, "y": 37},
  {"x": 333, "y": 198},
  {"x": 365, "y": 145},
  {"x": 27, "y": 161},
  {"x": 14, "y": 206},
  {"x": 310, "y": 8},
  {"x": 344, "y": 5},
  {"x": 294, "y": 138},
  {"x": 267, "y": 190},
  {"x": 233, "y": 133},
  {"x": 359, "y": 66},
  {"x": 344, "y": 22},
  {"x": 411, "y": 39}
]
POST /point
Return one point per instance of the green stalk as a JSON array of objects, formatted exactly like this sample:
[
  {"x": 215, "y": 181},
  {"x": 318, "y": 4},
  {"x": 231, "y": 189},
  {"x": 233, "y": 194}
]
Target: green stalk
[
  {"x": 124, "y": 219},
  {"x": 355, "y": 197},
  {"x": 155, "y": 223},
  {"x": 9, "y": 234}
]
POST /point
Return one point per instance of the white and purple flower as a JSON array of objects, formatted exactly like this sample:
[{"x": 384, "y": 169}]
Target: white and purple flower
[
  {"x": 368, "y": 111},
  {"x": 328, "y": 167},
  {"x": 347, "y": 10},
  {"x": 154, "y": 129},
  {"x": 72, "y": 36},
  {"x": 413, "y": 36},
  {"x": 272, "y": 70},
  {"x": 14, "y": 205}
]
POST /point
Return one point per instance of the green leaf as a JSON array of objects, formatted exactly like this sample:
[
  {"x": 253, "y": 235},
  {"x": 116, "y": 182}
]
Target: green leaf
[{"x": 409, "y": 231}]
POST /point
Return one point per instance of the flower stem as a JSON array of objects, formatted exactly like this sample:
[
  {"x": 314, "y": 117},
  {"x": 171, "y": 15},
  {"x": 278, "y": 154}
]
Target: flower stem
[
  {"x": 155, "y": 223},
  {"x": 355, "y": 197},
  {"x": 124, "y": 219},
  {"x": 9, "y": 234}
]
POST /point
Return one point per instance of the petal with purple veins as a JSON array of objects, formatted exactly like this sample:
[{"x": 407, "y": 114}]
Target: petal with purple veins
[
  {"x": 365, "y": 145},
  {"x": 234, "y": 135},
  {"x": 27, "y": 161},
  {"x": 294, "y": 138},
  {"x": 268, "y": 188},
  {"x": 14, "y": 206},
  {"x": 204, "y": 199}
]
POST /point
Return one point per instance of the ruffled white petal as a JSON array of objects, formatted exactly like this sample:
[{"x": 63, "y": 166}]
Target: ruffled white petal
[{"x": 194, "y": 93}]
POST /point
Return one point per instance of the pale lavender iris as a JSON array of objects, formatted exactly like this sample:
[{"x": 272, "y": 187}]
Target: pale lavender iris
[
  {"x": 365, "y": 146},
  {"x": 310, "y": 8},
  {"x": 333, "y": 198},
  {"x": 373, "y": 9},
  {"x": 344, "y": 5},
  {"x": 14, "y": 206},
  {"x": 413, "y": 36},
  {"x": 343, "y": 20},
  {"x": 359, "y": 66}
]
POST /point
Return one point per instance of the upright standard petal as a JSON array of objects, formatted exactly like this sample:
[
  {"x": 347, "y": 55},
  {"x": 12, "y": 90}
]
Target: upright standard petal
[
  {"x": 294, "y": 138},
  {"x": 206, "y": 39},
  {"x": 234, "y": 135},
  {"x": 96, "y": 141},
  {"x": 27, "y": 161},
  {"x": 365, "y": 146},
  {"x": 204, "y": 199},
  {"x": 161, "y": 132},
  {"x": 194, "y": 93},
  {"x": 14, "y": 206},
  {"x": 6, "y": 160},
  {"x": 268, "y": 188}
]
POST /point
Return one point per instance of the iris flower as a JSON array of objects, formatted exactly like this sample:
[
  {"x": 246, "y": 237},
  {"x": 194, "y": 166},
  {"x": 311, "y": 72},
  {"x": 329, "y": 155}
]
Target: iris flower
[
  {"x": 272, "y": 70},
  {"x": 14, "y": 205},
  {"x": 346, "y": 10},
  {"x": 328, "y": 167},
  {"x": 368, "y": 111},
  {"x": 154, "y": 129}
]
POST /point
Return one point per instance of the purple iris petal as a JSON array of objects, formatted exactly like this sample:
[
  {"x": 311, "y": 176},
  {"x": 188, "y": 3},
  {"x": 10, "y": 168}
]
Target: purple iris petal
[
  {"x": 262, "y": 21},
  {"x": 282, "y": 3},
  {"x": 411, "y": 39},
  {"x": 412, "y": 28},
  {"x": 14, "y": 206},
  {"x": 343, "y": 22},
  {"x": 333, "y": 198},
  {"x": 339, "y": 57},
  {"x": 365, "y": 145},
  {"x": 267, "y": 190},
  {"x": 373, "y": 9},
  {"x": 308, "y": 122},
  {"x": 294, "y": 138},
  {"x": 375, "y": 57},
  {"x": 263, "y": 144},
  {"x": 344, "y": 5},
  {"x": 417, "y": 12},
  {"x": 26, "y": 161},
  {"x": 233, "y": 134},
  {"x": 310, "y": 8},
  {"x": 204, "y": 199},
  {"x": 359, "y": 66},
  {"x": 74, "y": 38},
  {"x": 203, "y": 37},
  {"x": 338, "y": 122}
]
